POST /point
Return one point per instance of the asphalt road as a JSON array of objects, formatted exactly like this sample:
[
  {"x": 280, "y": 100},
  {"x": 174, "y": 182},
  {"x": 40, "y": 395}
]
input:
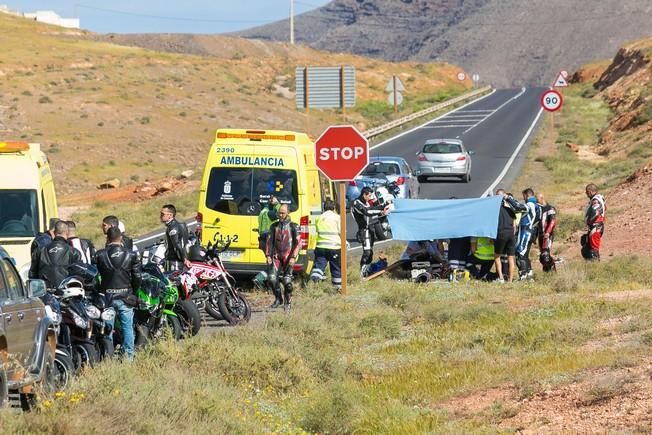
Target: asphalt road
[{"x": 494, "y": 126}]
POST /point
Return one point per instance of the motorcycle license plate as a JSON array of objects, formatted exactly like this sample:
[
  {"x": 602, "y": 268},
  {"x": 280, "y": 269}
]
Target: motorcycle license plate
[{"x": 230, "y": 255}]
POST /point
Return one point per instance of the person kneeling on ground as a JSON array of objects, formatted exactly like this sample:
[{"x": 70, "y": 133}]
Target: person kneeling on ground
[{"x": 482, "y": 254}]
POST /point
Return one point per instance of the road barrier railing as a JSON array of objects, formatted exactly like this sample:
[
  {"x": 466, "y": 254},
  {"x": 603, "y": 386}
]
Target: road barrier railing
[{"x": 372, "y": 132}]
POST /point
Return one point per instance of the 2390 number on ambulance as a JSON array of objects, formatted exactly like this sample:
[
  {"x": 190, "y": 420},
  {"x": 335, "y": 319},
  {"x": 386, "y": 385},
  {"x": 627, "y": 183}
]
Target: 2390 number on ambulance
[{"x": 244, "y": 169}]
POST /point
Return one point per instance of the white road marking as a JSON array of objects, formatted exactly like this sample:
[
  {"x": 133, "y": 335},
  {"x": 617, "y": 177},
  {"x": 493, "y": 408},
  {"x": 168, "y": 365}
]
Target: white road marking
[
  {"x": 426, "y": 123},
  {"x": 497, "y": 109},
  {"x": 516, "y": 151},
  {"x": 447, "y": 126}
]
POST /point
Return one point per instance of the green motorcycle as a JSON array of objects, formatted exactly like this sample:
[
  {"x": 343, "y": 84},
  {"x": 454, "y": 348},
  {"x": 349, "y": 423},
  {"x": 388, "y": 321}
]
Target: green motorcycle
[{"x": 154, "y": 316}]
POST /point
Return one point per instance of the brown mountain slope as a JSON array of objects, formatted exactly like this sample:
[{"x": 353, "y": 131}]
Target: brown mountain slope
[
  {"x": 507, "y": 42},
  {"x": 107, "y": 111}
]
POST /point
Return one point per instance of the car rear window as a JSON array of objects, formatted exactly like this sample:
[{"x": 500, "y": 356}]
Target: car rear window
[
  {"x": 244, "y": 191},
  {"x": 442, "y": 148},
  {"x": 384, "y": 168}
]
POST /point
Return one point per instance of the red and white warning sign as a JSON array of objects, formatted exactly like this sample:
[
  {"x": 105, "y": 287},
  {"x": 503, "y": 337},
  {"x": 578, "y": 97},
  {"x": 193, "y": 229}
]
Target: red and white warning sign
[
  {"x": 560, "y": 81},
  {"x": 551, "y": 100}
]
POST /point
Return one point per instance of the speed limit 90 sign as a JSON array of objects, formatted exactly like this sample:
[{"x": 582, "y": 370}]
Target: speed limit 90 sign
[{"x": 551, "y": 100}]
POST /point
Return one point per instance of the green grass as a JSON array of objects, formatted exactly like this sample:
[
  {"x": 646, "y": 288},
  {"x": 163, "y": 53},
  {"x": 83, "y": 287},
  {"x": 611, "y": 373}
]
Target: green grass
[{"x": 383, "y": 360}]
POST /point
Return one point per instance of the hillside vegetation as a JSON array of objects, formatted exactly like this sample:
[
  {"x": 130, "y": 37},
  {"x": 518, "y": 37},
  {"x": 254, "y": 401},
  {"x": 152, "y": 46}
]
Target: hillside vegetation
[
  {"x": 104, "y": 110},
  {"x": 390, "y": 358}
]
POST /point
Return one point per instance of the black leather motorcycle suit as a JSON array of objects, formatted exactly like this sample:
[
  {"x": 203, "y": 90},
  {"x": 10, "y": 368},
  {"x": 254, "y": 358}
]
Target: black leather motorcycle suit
[
  {"x": 120, "y": 270},
  {"x": 176, "y": 238},
  {"x": 51, "y": 262},
  {"x": 365, "y": 214}
]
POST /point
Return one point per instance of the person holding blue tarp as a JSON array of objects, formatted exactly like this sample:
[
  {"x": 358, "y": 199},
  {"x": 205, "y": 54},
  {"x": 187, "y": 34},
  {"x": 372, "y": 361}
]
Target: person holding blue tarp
[{"x": 505, "y": 243}]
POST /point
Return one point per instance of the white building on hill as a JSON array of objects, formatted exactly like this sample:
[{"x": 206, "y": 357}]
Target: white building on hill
[{"x": 51, "y": 17}]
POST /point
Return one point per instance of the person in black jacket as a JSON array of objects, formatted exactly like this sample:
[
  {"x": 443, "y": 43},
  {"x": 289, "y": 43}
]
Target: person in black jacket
[
  {"x": 505, "y": 243},
  {"x": 176, "y": 239},
  {"x": 43, "y": 239},
  {"x": 113, "y": 222},
  {"x": 50, "y": 263},
  {"x": 121, "y": 276},
  {"x": 365, "y": 215}
]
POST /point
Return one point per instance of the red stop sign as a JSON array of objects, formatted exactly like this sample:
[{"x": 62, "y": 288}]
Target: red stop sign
[{"x": 342, "y": 152}]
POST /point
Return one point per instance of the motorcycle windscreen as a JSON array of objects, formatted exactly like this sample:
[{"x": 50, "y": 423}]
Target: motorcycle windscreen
[{"x": 235, "y": 198}]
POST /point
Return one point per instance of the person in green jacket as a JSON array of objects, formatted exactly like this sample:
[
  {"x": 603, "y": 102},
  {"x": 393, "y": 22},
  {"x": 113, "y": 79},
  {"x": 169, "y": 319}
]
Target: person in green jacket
[
  {"x": 482, "y": 254},
  {"x": 268, "y": 215}
]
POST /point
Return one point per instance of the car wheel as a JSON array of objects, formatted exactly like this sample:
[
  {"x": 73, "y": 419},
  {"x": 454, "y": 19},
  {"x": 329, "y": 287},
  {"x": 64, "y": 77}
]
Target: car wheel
[
  {"x": 422, "y": 178},
  {"x": 466, "y": 178}
]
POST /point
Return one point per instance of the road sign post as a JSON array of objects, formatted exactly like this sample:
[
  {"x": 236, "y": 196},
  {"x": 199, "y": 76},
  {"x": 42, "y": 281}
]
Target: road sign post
[
  {"x": 395, "y": 87},
  {"x": 341, "y": 154},
  {"x": 551, "y": 101}
]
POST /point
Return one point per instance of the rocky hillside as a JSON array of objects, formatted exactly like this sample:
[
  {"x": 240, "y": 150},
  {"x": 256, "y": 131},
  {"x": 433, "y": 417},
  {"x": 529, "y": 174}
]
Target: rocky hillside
[
  {"x": 507, "y": 42},
  {"x": 625, "y": 85}
]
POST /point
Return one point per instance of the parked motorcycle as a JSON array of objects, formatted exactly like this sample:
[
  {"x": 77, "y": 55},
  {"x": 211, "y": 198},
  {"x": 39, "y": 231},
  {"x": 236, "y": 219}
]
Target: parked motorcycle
[
  {"x": 154, "y": 314},
  {"x": 63, "y": 362},
  {"x": 98, "y": 307},
  {"x": 77, "y": 325},
  {"x": 384, "y": 194},
  {"x": 186, "y": 308}
]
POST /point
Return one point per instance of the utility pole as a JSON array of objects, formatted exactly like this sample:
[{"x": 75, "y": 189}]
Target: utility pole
[{"x": 292, "y": 22}]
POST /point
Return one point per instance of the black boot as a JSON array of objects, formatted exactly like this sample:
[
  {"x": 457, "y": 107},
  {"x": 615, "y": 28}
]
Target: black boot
[
  {"x": 288, "y": 301},
  {"x": 277, "y": 299}
]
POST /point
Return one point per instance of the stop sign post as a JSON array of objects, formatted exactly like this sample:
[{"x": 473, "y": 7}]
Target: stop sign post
[{"x": 341, "y": 154}]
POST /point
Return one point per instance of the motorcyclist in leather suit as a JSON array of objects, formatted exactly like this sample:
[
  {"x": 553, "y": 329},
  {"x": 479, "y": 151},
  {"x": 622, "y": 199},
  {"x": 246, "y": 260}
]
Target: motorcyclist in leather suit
[
  {"x": 51, "y": 262},
  {"x": 176, "y": 239},
  {"x": 364, "y": 214},
  {"x": 113, "y": 221},
  {"x": 121, "y": 276},
  {"x": 281, "y": 251}
]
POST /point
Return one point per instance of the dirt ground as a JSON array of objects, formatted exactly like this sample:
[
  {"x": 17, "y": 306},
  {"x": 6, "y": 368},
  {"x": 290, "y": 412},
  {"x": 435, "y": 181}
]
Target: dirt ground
[{"x": 596, "y": 401}]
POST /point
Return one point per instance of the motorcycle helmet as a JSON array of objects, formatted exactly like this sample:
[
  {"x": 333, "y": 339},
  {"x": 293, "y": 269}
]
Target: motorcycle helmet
[
  {"x": 393, "y": 188},
  {"x": 197, "y": 253},
  {"x": 70, "y": 287}
]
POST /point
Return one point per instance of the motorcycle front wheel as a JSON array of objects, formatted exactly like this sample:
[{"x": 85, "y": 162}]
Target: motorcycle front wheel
[
  {"x": 188, "y": 316},
  {"x": 234, "y": 307},
  {"x": 63, "y": 369},
  {"x": 174, "y": 326},
  {"x": 86, "y": 355},
  {"x": 212, "y": 307}
]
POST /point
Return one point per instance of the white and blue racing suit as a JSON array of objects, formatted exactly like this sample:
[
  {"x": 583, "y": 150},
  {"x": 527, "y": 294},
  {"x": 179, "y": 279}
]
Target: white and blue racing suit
[{"x": 527, "y": 234}]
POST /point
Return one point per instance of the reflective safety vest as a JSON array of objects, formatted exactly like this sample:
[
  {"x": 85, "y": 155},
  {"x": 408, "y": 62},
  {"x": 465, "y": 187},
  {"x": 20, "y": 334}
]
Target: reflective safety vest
[
  {"x": 484, "y": 249},
  {"x": 328, "y": 230}
]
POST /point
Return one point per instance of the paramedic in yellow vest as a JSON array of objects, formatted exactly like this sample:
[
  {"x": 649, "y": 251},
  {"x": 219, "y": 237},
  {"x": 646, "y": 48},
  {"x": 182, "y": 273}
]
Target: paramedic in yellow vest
[
  {"x": 482, "y": 254},
  {"x": 328, "y": 246},
  {"x": 268, "y": 215}
]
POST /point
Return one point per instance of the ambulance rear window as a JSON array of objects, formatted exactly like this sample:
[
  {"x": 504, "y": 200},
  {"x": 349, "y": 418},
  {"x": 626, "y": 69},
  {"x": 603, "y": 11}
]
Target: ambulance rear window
[
  {"x": 244, "y": 191},
  {"x": 18, "y": 213}
]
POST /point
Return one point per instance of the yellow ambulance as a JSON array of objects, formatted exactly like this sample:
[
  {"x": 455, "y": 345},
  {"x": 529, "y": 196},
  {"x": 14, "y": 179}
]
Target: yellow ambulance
[
  {"x": 244, "y": 169},
  {"x": 27, "y": 199}
]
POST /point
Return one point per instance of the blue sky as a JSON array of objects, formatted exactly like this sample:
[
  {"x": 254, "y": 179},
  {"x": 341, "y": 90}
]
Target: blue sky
[{"x": 145, "y": 16}]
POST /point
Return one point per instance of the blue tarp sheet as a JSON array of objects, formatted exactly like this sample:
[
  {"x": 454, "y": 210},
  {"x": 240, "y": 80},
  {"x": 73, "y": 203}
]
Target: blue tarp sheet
[{"x": 421, "y": 219}]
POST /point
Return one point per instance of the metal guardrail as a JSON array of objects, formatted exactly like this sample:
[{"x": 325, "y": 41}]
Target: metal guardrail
[{"x": 398, "y": 122}]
